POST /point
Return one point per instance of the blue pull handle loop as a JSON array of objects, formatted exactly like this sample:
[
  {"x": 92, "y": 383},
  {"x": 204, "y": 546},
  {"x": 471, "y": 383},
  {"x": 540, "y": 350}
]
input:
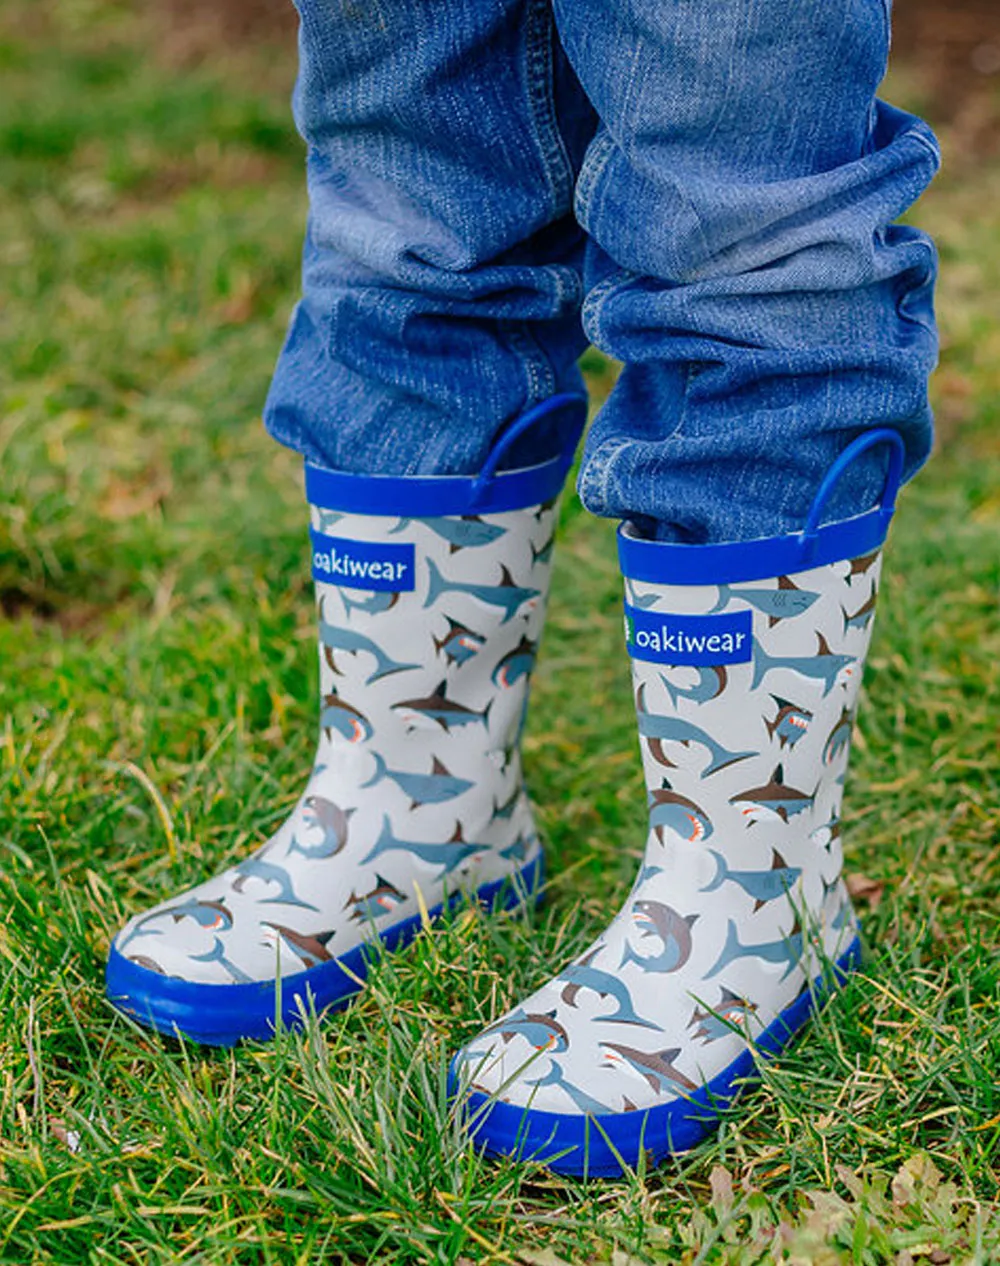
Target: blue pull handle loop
[
  {"x": 532, "y": 417},
  {"x": 890, "y": 489}
]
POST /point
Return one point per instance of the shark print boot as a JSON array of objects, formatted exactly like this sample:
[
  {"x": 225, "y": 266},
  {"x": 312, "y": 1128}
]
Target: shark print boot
[
  {"x": 747, "y": 662},
  {"x": 431, "y": 596}
]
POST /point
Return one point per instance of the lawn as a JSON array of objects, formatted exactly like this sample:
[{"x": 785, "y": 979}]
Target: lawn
[{"x": 157, "y": 679}]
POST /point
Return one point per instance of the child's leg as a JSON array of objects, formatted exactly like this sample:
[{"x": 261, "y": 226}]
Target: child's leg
[
  {"x": 776, "y": 329},
  {"x": 442, "y": 287},
  {"x": 442, "y": 269},
  {"x": 741, "y": 193}
]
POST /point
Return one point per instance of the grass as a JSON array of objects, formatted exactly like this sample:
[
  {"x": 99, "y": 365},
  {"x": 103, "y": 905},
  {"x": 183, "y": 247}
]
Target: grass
[{"x": 156, "y": 716}]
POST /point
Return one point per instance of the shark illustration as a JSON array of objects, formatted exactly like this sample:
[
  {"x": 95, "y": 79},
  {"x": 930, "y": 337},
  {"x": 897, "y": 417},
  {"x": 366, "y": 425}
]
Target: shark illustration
[
  {"x": 211, "y": 915},
  {"x": 543, "y": 554},
  {"x": 542, "y": 1031},
  {"x": 642, "y": 602},
  {"x": 656, "y": 1066},
  {"x": 732, "y": 1012},
  {"x": 375, "y": 604},
  {"x": 310, "y": 949},
  {"x": 433, "y": 788},
  {"x": 824, "y": 666},
  {"x": 711, "y": 682},
  {"x": 448, "y": 855},
  {"x": 773, "y": 800},
  {"x": 827, "y": 833},
  {"x": 582, "y": 975},
  {"x": 335, "y": 638},
  {"x": 328, "y": 817},
  {"x": 556, "y": 1077},
  {"x": 669, "y": 811},
  {"x": 844, "y": 916},
  {"x": 150, "y": 964},
  {"x": 864, "y": 614},
  {"x": 338, "y": 715},
  {"x": 438, "y": 709},
  {"x": 328, "y": 519},
  {"x": 657, "y": 730},
  {"x": 466, "y": 532},
  {"x": 545, "y": 508},
  {"x": 459, "y": 644},
  {"x": 840, "y": 737},
  {"x": 762, "y": 885},
  {"x": 515, "y": 664},
  {"x": 664, "y": 924},
  {"x": 790, "y": 723},
  {"x": 217, "y": 954},
  {"x": 506, "y": 595},
  {"x": 518, "y": 850},
  {"x": 788, "y": 950},
  {"x": 268, "y": 873},
  {"x": 861, "y": 566},
  {"x": 382, "y": 899},
  {"x": 504, "y": 812},
  {"x": 783, "y": 603}
]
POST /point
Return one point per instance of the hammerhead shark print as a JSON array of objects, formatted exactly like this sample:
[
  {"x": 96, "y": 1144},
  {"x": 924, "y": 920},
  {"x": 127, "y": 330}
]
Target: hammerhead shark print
[
  {"x": 588, "y": 1105},
  {"x": 583, "y": 975},
  {"x": 712, "y": 681},
  {"x": 268, "y": 873},
  {"x": 657, "y": 730}
]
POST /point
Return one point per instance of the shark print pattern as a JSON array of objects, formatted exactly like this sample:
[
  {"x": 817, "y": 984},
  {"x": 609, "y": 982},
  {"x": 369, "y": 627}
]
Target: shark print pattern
[
  {"x": 416, "y": 791},
  {"x": 739, "y": 900}
]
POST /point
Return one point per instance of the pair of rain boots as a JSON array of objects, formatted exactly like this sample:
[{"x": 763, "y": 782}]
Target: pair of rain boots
[{"x": 747, "y": 662}]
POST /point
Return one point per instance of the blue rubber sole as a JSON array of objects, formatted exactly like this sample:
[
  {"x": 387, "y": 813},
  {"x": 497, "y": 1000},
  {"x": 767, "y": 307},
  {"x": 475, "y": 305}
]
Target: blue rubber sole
[
  {"x": 221, "y": 1015},
  {"x": 603, "y": 1146}
]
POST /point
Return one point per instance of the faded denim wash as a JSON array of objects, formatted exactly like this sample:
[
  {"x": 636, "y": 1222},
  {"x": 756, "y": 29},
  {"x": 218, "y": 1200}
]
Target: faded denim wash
[{"x": 704, "y": 189}]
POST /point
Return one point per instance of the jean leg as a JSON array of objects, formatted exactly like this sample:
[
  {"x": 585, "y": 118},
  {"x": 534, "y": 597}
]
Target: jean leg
[
  {"x": 442, "y": 268},
  {"x": 741, "y": 195}
]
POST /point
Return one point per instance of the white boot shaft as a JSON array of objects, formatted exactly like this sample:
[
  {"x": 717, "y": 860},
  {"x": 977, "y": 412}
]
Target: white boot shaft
[
  {"x": 745, "y": 694},
  {"x": 429, "y": 624}
]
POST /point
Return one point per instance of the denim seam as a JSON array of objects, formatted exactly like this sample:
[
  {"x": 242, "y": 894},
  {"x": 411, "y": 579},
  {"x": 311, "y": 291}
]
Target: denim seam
[
  {"x": 541, "y": 379},
  {"x": 539, "y": 53},
  {"x": 590, "y": 309},
  {"x": 595, "y": 472},
  {"x": 594, "y": 166}
]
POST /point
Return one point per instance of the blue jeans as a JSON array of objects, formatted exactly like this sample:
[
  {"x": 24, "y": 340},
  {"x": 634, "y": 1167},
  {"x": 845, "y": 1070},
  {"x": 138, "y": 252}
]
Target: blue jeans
[{"x": 704, "y": 189}]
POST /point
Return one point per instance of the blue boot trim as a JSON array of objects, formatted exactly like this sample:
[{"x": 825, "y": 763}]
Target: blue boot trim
[
  {"x": 599, "y": 1146},
  {"x": 490, "y": 492},
  {"x": 669, "y": 563},
  {"x": 221, "y": 1015}
]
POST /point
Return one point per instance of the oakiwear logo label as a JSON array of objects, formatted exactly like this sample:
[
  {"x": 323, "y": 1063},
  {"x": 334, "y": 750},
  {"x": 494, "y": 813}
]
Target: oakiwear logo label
[
  {"x": 379, "y": 565},
  {"x": 689, "y": 640}
]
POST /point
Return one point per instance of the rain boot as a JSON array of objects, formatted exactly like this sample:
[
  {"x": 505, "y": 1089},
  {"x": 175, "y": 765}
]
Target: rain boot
[
  {"x": 431, "y": 597},
  {"x": 747, "y": 662}
]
